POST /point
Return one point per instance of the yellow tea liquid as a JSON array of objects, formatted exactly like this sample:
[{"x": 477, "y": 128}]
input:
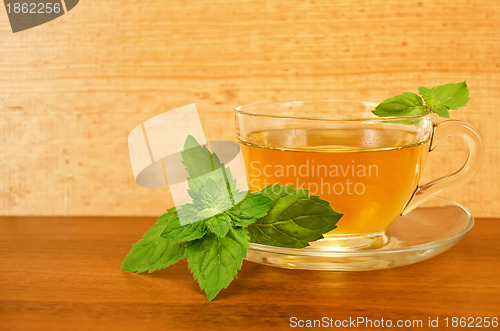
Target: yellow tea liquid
[{"x": 367, "y": 174}]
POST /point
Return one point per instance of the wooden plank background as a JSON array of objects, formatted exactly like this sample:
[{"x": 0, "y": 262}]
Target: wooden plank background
[{"x": 72, "y": 89}]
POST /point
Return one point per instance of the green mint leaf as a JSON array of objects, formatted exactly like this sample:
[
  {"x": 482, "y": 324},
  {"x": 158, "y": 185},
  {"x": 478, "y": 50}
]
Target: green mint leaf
[
  {"x": 242, "y": 221},
  {"x": 294, "y": 220},
  {"x": 175, "y": 232},
  {"x": 211, "y": 192},
  {"x": 219, "y": 224},
  {"x": 215, "y": 261},
  {"x": 215, "y": 197},
  {"x": 206, "y": 213},
  {"x": 424, "y": 91},
  {"x": 433, "y": 103},
  {"x": 450, "y": 96},
  {"x": 406, "y": 104},
  {"x": 246, "y": 212},
  {"x": 442, "y": 111},
  {"x": 201, "y": 164},
  {"x": 197, "y": 159},
  {"x": 153, "y": 252},
  {"x": 441, "y": 98}
]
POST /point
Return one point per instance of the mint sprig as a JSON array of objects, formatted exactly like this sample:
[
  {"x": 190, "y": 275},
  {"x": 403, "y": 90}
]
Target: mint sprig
[
  {"x": 438, "y": 99},
  {"x": 214, "y": 231}
]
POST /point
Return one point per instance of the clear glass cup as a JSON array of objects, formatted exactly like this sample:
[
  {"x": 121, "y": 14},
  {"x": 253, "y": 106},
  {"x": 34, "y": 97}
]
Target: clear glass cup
[{"x": 367, "y": 167}]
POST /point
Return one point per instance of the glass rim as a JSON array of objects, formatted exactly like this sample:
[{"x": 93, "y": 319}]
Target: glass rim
[{"x": 241, "y": 110}]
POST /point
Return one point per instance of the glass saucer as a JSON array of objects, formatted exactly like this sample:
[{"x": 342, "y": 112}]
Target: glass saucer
[{"x": 425, "y": 232}]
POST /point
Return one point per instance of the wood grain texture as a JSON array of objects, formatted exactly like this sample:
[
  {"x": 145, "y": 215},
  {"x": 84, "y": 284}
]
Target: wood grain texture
[
  {"x": 72, "y": 89},
  {"x": 64, "y": 274}
]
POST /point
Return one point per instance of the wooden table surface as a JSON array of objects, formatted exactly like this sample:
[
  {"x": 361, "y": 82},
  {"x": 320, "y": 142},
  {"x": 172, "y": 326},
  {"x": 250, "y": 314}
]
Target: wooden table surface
[{"x": 64, "y": 274}]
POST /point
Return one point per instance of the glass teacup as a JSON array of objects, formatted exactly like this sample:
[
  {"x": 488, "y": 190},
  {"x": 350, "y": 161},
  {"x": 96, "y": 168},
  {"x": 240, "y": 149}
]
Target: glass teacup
[{"x": 367, "y": 167}]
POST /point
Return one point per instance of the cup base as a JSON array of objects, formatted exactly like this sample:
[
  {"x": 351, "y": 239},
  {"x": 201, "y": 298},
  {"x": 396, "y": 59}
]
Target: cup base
[{"x": 348, "y": 243}]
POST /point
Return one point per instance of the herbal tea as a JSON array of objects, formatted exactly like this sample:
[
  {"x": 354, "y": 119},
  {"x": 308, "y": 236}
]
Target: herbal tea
[{"x": 367, "y": 174}]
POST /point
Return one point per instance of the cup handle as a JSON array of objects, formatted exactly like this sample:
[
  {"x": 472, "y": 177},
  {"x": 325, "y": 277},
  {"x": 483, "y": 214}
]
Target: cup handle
[{"x": 474, "y": 141}]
